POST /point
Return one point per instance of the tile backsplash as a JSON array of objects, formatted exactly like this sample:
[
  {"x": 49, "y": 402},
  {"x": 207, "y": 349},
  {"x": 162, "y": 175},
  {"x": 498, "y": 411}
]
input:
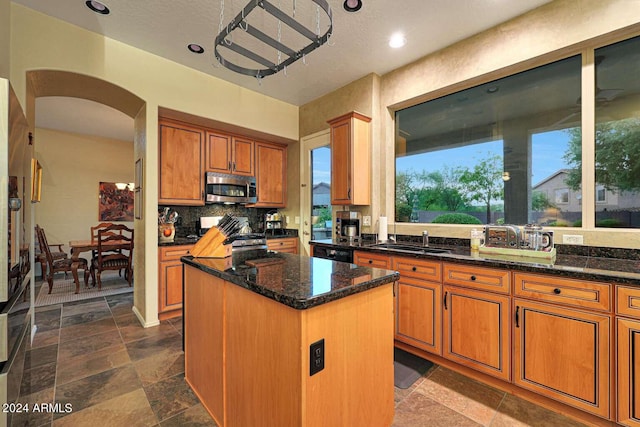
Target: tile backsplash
[{"x": 188, "y": 216}]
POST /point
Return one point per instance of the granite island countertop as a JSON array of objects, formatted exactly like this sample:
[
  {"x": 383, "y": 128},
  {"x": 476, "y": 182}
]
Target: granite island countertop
[
  {"x": 595, "y": 268},
  {"x": 298, "y": 281}
]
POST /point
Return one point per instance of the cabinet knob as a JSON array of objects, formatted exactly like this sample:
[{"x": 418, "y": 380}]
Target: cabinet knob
[
  {"x": 414, "y": 268},
  {"x": 557, "y": 291},
  {"x": 370, "y": 261},
  {"x": 473, "y": 277}
]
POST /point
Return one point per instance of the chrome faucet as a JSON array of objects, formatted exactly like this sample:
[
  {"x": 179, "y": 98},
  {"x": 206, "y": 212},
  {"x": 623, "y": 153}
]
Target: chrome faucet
[{"x": 425, "y": 238}]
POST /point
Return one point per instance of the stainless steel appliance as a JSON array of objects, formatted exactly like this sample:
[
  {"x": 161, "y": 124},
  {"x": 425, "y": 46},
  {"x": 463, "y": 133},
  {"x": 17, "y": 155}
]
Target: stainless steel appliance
[
  {"x": 341, "y": 254},
  {"x": 223, "y": 188},
  {"x": 348, "y": 226},
  {"x": 16, "y": 256},
  {"x": 502, "y": 236},
  {"x": 242, "y": 241}
]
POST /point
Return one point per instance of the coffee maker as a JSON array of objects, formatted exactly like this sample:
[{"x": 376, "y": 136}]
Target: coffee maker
[{"x": 348, "y": 226}]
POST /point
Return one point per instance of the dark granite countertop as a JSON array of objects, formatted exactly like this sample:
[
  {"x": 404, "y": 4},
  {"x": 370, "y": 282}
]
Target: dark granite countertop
[
  {"x": 281, "y": 234},
  {"x": 178, "y": 241},
  {"x": 297, "y": 281},
  {"x": 613, "y": 270}
]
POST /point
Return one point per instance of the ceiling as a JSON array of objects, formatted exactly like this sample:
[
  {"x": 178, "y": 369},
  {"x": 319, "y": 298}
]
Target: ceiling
[{"x": 358, "y": 46}]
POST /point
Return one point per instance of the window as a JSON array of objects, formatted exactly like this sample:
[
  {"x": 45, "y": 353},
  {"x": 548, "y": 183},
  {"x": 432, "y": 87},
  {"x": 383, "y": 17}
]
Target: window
[
  {"x": 601, "y": 194},
  {"x": 493, "y": 153},
  {"x": 617, "y": 136},
  {"x": 562, "y": 195}
]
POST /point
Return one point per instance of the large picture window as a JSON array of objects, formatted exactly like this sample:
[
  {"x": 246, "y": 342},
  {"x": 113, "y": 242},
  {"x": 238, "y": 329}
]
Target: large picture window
[
  {"x": 511, "y": 150},
  {"x": 617, "y": 140}
]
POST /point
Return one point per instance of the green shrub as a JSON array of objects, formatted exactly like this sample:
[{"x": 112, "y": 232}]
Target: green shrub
[
  {"x": 456, "y": 218},
  {"x": 558, "y": 224},
  {"x": 577, "y": 223},
  {"x": 610, "y": 223}
]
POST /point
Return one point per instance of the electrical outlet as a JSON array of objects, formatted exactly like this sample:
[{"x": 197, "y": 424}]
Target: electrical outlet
[
  {"x": 316, "y": 357},
  {"x": 297, "y": 220},
  {"x": 573, "y": 239},
  {"x": 366, "y": 221}
]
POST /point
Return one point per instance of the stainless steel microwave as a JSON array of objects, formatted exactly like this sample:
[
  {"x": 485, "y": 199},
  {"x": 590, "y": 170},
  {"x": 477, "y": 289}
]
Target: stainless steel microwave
[{"x": 223, "y": 188}]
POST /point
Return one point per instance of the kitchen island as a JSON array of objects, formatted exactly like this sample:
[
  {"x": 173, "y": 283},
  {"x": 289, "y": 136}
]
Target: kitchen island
[{"x": 276, "y": 339}]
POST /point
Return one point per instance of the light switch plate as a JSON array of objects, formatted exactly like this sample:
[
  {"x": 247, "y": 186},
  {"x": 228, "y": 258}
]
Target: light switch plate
[
  {"x": 297, "y": 220},
  {"x": 366, "y": 220}
]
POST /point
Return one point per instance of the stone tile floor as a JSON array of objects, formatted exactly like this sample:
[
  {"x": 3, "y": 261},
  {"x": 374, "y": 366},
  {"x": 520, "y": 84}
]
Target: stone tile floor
[{"x": 94, "y": 357}]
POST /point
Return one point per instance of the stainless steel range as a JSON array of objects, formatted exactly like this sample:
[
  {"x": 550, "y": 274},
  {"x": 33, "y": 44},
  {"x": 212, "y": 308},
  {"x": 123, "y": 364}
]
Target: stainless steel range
[{"x": 244, "y": 240}]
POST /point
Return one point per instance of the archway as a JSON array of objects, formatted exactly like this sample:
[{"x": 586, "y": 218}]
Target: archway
[{"x": 56, "y": 83}]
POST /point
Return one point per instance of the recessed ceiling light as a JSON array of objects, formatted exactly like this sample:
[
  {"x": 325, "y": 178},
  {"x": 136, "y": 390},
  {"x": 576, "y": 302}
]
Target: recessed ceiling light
[
  {"x": 397, "y": 40},
  {"x": 195, "y": 48},
  {"x": 97, "y": 7},
  {"x": 352, "y": 5}
]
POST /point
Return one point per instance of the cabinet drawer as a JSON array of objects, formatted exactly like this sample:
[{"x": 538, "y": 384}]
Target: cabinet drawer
[
  {"x": 418, "y": 269},
  {"x": 172, "y": 253},
  {"x": 577, "y": 293},
  {"x": 628, "y": 301},
  {"x": 282, "y": 244},
  {"x": 487, "y": 279},
  {"x": 368, "y": 259}
]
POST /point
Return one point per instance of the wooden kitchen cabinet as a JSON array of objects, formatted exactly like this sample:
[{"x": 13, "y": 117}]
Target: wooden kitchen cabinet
[
  {"x": 181, "y": 163},
  {"x": 229, "y": 154},
  {"x": 564, "y": 354},
  {"x": 476, "y": 330},
  {"x": 628, "y": 345},
  {"x": 287, "y": 245},
  {"x": 170, "y": 280},
  {"x": 350, "y": 160},
  {"x": 419, "y": 303},
  {"x": 271, "y": 175},
  {"x": 368, "y": 259}
]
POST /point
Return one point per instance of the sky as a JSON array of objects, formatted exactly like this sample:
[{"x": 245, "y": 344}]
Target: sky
[{"x": 548, "y": 149}]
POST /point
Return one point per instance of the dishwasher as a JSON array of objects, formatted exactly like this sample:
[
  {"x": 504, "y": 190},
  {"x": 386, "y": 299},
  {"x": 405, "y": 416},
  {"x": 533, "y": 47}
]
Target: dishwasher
[{"x": 335, "y": 254}]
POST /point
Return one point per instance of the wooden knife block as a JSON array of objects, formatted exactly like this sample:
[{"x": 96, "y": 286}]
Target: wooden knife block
[{"x": 211, "y": 245}]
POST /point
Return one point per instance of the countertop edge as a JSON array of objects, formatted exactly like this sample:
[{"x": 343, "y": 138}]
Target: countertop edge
[
  {"x": 579, "y": 270},
  {"x": 295, "y": 303}
]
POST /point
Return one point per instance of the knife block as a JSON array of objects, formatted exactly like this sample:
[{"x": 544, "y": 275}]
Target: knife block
[{"x": 211, "y": 245}]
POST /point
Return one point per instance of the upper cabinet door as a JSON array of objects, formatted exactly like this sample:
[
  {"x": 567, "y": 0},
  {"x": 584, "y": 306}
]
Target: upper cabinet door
[
  {"x": 181, "y": 162},
  {"x": 351, "y": 160},
  {"x": 242, "y": 157},
  {"x": 218, "y": 152},
  {"x": 271, "y": 175}
]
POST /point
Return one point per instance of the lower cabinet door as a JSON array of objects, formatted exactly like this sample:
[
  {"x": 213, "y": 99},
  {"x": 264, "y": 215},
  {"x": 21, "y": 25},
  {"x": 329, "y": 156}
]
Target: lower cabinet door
[
  {"x": 418, "y": 312},
  {"x": 629, "y": 372},
  {"x": 564, "y": 354},
  {"x": 170, "y": 286},
  {"x": 476, "y": 330}
]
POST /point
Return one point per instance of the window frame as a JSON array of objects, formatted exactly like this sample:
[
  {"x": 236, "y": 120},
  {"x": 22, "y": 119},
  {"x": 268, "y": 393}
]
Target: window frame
[{"x": 586, "y": 49}]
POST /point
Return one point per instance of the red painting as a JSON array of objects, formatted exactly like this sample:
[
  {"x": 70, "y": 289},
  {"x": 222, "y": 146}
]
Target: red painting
[{"x": 116, "y": 202}]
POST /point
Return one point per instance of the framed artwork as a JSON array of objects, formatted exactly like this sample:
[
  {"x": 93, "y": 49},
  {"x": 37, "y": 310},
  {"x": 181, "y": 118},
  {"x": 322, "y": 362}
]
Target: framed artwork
[
  {"x": 36, "y": 180},
  {"x": 137, "y": 203},
  {"x": 138, "y": 176},
  {"x": 115, "y": 204}
]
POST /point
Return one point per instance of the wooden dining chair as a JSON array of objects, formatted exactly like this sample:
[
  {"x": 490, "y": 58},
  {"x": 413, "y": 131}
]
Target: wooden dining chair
[
  {"x": 115, "y": 252},
  {"x": 56, "y": 254},
  {"x": 59, "y": 265},
  {"x": 94, "y": 239}
]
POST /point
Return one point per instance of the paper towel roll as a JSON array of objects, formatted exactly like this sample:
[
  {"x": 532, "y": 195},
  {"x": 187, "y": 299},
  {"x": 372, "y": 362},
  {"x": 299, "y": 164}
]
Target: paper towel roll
[{"x": 382, "y": 229}]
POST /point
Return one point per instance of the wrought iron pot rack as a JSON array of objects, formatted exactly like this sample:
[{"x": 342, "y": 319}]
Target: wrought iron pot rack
[{"x": 239, "y": 23}]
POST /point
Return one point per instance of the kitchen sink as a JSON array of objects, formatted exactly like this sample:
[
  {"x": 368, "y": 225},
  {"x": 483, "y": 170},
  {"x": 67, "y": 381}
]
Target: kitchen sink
[{"x": 410, "y": 248}]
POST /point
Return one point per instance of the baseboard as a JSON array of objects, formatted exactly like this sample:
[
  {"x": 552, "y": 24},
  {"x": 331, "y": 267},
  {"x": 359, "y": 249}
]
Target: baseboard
[{"x": 142, "y": 321}]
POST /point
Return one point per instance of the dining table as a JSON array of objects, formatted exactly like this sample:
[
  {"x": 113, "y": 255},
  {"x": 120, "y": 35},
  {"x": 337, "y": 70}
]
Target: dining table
[{"x": 80, "y": 246}]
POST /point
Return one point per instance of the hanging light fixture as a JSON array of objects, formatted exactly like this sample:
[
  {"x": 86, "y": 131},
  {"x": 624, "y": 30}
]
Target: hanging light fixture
[{"x": 243, "y": 39}]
